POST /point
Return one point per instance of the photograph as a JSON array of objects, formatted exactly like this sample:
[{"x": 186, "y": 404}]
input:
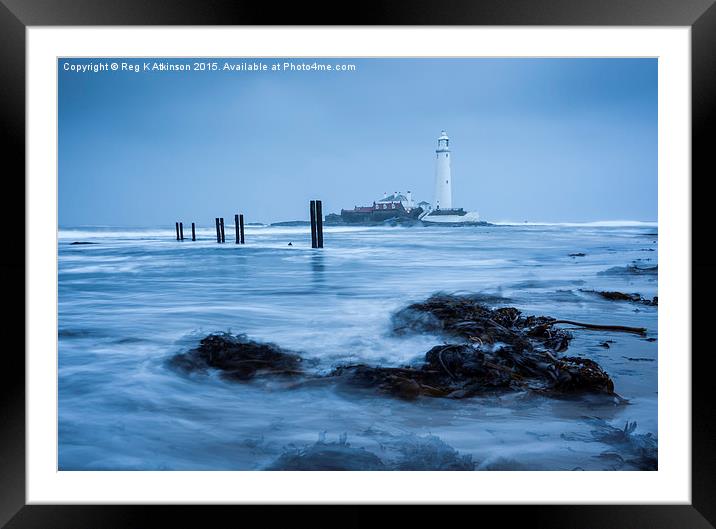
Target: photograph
[{"x": 358, "y": 264}]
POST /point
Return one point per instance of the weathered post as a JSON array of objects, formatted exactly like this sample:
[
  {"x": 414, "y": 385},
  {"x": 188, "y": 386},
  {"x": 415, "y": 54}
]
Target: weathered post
[
  {"x": 177, "y": 226},
  {"x": 236, "y": 228},
  {"x": 241, "y": 224},
  {"x": 181, "y": 231},
  {"x": 193, "y": 232},
  {"x": 314, "y": 240},
  {"x": 218, "y": 231},
  {"x": 319, "y": 223},
  {"x": 223, "y": 235}
]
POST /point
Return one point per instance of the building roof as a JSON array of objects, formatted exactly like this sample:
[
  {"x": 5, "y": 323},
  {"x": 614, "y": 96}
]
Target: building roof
[
  {"x": 423, "y": 202},
  {"x": 395, "y": 197}
]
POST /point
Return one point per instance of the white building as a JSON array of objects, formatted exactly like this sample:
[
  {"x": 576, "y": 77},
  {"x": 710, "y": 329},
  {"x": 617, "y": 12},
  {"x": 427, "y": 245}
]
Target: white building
[{"x": 443, "y": 180}]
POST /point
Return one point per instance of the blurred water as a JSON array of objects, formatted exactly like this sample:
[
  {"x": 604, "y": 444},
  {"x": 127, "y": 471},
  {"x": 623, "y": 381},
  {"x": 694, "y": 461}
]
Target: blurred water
[{"x": 137, "y": 297}]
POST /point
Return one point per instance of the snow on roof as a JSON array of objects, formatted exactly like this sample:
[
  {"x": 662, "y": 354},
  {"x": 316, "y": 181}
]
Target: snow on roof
[{"x": 395, "y": 197}]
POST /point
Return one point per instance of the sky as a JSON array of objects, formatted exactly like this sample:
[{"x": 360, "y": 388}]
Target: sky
[{"x": 539, "y": 140}]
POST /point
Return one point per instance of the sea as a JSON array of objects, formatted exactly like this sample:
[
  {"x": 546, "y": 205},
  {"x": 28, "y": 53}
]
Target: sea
[{"x": 135, "y": 297}]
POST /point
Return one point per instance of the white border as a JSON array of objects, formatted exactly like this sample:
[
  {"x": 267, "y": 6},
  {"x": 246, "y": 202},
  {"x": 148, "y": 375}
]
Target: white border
[{"x": 670, "y": 484}]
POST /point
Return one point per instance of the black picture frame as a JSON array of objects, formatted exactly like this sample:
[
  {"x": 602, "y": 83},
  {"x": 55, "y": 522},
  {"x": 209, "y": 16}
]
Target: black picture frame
[{"x": 16, "y": 15}]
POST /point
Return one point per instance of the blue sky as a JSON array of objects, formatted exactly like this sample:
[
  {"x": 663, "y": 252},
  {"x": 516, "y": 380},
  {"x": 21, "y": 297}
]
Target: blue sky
[{"x": 552, "y": 140}]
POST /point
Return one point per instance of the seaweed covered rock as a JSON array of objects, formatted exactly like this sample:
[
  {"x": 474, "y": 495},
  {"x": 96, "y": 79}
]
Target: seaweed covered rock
[
  {"x": 404, "y": 452},
  {"x": 466, "y": 370},
  {"x": 501, "y": 350},
  {"x": 630, "y": 269},
  {"x": 324, "y": 455},
  {"x": 491, "y": 350},
  {"x": 403, "y": 382},
  {"x": 622, "y": 296},
  {"x": 467, "y": 317},
  {"x": 575, "y": 375},
  {"x": 238, "y": 357},
  {"x": 428, "y": 452}
]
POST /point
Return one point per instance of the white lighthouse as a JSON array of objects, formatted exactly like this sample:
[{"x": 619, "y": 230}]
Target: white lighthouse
[
  {"x": 443, "y": 213},
  {"x": 443, "y": 180}
]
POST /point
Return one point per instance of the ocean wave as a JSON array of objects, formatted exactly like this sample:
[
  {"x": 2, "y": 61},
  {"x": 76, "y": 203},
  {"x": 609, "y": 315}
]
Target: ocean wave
[{"x": 592, "y": 224}]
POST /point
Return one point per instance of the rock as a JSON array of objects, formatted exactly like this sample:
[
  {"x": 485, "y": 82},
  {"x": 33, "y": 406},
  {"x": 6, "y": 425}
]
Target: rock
[
  {"x": 631, "y": 269},
  {"x": 621, "y": 296},
  {"x": 429, "y": 453},
  {"x": 581, "y": 375},
  {"x": 401, "y": 452},
  {"x": 467, "y": 370},
  {"x": 238, "y": 358},
  {"x": 468, "y": 317},
  {"x": 501, "y": 463},
  {"x": 491, "y": 350},
  {"x": 328, "y": 456},
  {"x": 401, "y": 382}
]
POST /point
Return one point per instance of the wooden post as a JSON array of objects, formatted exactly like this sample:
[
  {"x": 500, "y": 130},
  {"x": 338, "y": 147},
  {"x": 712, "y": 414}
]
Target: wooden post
[
  {"x": 181, "y": 231},
  {"x": 236, "y": 225},
  {"x": 241, "y": 225},
  {"x": 218, "y": 231},
  {"x": 177, "y": 226},
  {"x": 193, "y": 232},
  {"x": 319, "y": 223},
  {"x": 223, "y": 237},
  {"x": 314, "y": 241}
]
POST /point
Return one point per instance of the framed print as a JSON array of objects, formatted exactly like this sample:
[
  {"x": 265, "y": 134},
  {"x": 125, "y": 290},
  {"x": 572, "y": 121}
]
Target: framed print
[{"x": 440, "y": 256}]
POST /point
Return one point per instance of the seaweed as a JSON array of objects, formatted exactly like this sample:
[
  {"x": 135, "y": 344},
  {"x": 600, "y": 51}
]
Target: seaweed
[
  {"x": 328, "y": 456},
  {"x": 409, "y": 452},
  {"x": 612, "y": 295},
  {"x": 429, "y": 453},
  {"x": 641, "y": 447},
  {"x": 459, "y": 371},
  {"x": 638, "y": 450},
  {"x": 631, "y": 269},
  {"x": 489, "y": 350},
  {"x": 238, "y": 358}
]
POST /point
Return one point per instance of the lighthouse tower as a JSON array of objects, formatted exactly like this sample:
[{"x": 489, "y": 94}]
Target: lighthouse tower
[{"x": 443, "y": 180}]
